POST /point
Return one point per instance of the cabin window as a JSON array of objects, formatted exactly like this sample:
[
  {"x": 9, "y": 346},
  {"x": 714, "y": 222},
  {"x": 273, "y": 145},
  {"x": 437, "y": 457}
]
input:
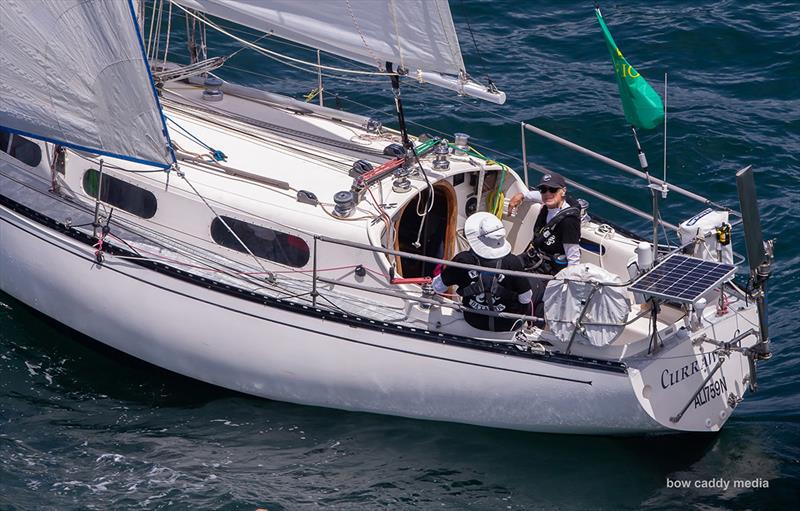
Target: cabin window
[
  {"x": 263, "y": 242},
  {"x": 120, "y": 194},
  {"x": 21, "y": 148}
]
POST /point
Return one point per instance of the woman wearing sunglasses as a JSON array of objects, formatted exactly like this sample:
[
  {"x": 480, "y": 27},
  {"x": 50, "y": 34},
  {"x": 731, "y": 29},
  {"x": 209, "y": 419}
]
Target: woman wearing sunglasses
[
  {"x": 557, "y": 230},
  {"x": 556, "y": 233}
]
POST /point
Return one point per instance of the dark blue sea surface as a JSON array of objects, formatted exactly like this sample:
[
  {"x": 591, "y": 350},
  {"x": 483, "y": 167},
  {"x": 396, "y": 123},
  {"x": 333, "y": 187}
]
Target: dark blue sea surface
[{"x": 84, "y": 428}]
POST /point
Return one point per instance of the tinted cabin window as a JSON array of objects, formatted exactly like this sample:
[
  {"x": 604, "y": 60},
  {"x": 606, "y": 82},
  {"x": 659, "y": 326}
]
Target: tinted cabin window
[
  {"x": 21, "y": 148},
  {"x": 120, "y": 194},
  {"x": 273, "y": 245}
]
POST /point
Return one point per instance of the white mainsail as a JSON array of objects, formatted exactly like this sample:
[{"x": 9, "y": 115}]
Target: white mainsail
[
  {"x": 74, "y": 73},
  {"x": 416, "y": 35}
]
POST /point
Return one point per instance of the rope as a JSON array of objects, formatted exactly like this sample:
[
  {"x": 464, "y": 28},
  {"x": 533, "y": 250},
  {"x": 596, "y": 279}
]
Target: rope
[
  {"x": 151, "y": 32},
  {"x": 385, "y": 217},
  {"x": 169, "y": 33},
  {"x": 215, "y": 153},
  {"x": 182, "y": 72}
]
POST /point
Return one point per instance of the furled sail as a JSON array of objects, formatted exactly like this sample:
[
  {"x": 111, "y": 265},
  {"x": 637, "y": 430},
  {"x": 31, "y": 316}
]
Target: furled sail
[
  {"x": 416, "y": 35},
  {"x": 74, "y": 72}
]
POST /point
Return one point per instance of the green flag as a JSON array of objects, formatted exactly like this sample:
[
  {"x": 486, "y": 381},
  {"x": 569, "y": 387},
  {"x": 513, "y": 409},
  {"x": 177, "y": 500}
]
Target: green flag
[{"x": 642, "y": 105}]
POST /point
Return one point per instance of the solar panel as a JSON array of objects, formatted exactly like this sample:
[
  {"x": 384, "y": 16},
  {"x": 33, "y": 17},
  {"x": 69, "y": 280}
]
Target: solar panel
[{"x": 682, "y": 278}]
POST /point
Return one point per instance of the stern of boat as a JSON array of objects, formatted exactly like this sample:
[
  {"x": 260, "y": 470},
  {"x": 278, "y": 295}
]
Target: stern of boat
[{"x": 694, "y": 384}]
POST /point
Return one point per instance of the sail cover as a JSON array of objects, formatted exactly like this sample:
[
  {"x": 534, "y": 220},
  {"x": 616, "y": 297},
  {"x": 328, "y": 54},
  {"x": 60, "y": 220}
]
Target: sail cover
[
  {"x": 413, "y": 34},
  {"x": 74, "y": 72}
]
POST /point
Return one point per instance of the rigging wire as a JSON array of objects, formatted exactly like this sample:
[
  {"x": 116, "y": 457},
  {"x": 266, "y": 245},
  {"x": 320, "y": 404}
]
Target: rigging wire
[
  {"x": 332, "y": 163},
  {"x": 241, "y": 30},
  {"x": 475, "y": 44},
  {"x": 151, "y": 31},
  {"x": 278, "y": 57},
  {"x": 273, "y": 53},
  {"x": 242, "y": 243}
]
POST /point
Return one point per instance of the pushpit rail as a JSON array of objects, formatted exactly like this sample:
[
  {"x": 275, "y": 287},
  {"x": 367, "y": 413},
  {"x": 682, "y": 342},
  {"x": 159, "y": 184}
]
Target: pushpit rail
[{"x": 613, "y": 163}]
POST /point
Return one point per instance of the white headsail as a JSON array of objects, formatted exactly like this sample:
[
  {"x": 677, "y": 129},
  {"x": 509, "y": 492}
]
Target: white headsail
[
  {"x": 416, "y": 35},
  {"x": 74, "y": 72}
]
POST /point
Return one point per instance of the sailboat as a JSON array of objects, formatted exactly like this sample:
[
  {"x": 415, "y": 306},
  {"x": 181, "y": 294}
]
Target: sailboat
[{"x": 285, "y": 249}]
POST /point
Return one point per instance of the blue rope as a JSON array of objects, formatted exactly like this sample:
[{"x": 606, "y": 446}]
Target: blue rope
[{"x": 215, "y": 153}]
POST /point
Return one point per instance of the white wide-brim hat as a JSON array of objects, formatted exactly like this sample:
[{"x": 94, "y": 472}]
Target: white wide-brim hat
[{"x": 486, "y": 236}]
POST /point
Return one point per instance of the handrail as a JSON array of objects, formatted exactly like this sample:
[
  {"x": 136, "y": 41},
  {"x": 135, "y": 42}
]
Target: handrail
[
  {"x": 429, "y": 301},
  {"x": 623, "y": 167},
  {"x": 427, "y": 259},
  {"x": 512, "y": 273},
  {"x": 604, "y": 197}
]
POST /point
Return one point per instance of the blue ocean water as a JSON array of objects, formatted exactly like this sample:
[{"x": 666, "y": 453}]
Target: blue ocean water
[{"x": 84, "y": 428}]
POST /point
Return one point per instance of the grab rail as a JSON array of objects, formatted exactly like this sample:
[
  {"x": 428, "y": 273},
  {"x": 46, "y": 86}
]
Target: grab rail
[{"x": 427, "y": 259}]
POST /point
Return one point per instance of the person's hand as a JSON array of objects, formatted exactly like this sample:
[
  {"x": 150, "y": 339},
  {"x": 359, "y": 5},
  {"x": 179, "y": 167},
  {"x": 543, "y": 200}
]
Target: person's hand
[{"x": 515, "y": 201}]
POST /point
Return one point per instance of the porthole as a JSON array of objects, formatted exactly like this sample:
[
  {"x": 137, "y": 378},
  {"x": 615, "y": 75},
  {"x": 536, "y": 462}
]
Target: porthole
[
  {"x": 21, "y": 148},
  {"x": 262, "y": 242},
  {"x": 120, "y": 194}
]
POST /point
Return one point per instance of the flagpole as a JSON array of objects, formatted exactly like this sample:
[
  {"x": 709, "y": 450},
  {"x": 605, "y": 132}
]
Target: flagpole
[
  {"x": 653, "y": 188},
  {"x": 643, "y": 109}
]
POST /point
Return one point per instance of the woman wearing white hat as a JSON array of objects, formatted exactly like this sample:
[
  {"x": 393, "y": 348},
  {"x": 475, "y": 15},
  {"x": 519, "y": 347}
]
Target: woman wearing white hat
[{"x": 487, "y": 291}]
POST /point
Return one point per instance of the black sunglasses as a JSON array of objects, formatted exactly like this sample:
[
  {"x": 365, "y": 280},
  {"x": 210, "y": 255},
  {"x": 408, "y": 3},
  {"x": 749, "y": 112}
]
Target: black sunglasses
[{"x": 543, "y": 189}]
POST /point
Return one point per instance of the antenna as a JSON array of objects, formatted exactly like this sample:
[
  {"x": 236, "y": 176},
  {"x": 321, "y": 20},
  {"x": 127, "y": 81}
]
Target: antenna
[{"x": 664, "y": 188}]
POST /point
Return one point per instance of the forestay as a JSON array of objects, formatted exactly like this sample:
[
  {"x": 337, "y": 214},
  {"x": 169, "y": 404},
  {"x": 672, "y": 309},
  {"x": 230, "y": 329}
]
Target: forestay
[
  {"x": 416, "y": 35},
  {"x": 74, "y": 72}
]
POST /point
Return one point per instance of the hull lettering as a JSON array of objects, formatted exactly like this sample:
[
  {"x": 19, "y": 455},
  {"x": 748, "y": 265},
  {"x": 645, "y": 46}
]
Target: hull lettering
[
  {"x": 712, "y": 390},
  {"x": 670, "y": 378}
]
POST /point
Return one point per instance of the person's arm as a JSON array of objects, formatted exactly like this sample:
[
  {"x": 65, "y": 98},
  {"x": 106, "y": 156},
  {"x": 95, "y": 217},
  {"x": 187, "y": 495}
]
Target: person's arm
[
  {"x": 571, "y": 240},
  {"x": 573, "y": 253},
  {"x": 452, "y": 276},
  {"x": 439, "y": 286},
  {"x": 516, "y": 200},
  {"x": 520, "y": 285}
]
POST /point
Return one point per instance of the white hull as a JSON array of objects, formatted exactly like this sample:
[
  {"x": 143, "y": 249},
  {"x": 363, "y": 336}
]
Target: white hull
[
  {"x": 287, "y": 356},
  {"x": 287, "y": 252}
]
